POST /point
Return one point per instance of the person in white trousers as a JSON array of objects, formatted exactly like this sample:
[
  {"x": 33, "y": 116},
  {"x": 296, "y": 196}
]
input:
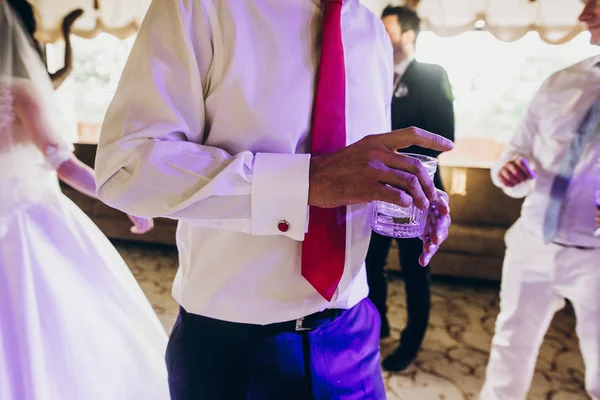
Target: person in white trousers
[{"x": 552, "y": 253}]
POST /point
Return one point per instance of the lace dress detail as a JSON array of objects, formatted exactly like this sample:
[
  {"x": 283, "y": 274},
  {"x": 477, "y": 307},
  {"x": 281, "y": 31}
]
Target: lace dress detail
[
  {"x": 27, "y": 177},
  {"x": 54, "y": 154}
]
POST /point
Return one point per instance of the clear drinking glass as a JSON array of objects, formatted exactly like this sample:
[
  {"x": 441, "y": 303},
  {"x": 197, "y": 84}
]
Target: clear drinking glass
[{"x": 402, "y": 222}]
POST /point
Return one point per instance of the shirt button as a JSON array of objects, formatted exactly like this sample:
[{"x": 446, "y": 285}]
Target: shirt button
[{"x": 283, "y": 226}]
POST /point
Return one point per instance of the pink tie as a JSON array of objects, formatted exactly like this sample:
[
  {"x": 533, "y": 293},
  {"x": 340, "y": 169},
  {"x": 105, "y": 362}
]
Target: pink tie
[{"x": 324, "y": 246}]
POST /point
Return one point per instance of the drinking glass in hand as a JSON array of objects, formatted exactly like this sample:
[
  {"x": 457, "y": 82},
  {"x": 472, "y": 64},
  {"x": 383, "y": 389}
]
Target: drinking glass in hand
[{"x": 402, "y": 222}]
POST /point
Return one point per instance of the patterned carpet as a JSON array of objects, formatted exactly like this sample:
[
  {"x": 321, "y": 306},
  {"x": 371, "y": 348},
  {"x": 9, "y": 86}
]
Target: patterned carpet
[{"x": 451, "y": 365}]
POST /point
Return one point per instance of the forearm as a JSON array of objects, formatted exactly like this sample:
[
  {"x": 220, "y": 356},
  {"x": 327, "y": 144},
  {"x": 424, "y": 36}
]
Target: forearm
[
  {"x": 206, "y": 186},
  {"x": 520, "y": 146},
  {"x": 78, "y": 175},
  {"x": 150, "y": 162}
]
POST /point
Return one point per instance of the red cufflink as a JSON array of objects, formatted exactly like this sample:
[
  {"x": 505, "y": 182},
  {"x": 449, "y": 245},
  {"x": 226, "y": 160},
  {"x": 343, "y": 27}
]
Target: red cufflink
[{"x": 283, "y": 225}]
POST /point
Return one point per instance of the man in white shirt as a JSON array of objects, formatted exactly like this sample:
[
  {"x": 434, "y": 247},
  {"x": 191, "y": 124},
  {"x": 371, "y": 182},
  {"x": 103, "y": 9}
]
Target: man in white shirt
[
  {"x": 214, "y": 124},
  {"x": 552, "y": 252}
]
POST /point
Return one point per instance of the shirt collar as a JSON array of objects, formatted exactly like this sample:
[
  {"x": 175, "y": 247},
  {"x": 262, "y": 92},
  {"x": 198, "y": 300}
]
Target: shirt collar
[{"x": 400, "y": 69}]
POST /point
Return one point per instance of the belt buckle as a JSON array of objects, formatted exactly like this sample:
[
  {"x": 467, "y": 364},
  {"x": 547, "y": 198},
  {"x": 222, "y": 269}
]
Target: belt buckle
[{"x": 299, "y": 325}]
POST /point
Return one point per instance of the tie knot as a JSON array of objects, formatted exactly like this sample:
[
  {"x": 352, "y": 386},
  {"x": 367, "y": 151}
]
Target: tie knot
[{"x": 330, "y": 2}]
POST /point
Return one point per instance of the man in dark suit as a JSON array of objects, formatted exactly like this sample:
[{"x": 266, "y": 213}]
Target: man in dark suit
[{"x": 422, "y": 98}]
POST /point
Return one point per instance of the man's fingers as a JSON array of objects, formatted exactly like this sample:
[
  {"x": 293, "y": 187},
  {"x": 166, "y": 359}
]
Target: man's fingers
[
  {"x": 406, "y": 137},
  {"x": 141, "y": 225},
  {"x": 524, "y": 164},
  {"x": 430, "y": 248},
  {"x": 518, "y": 171},
  {"x": 415, "y": 167},
  {"x": 439, "y": 231},
  {"x": 427, "y": 254},
  {"x": 437, "y": 226},
  {"x": 438, "y": 222},
  {"x": 443, "y": 196},
  {"x": 392, "y": 195},
  {"x": 146, "y": 224},
  {"x": 136, "y": 228},
  {"x": 408, "y": 183},
  {"x": 508, "y": 178},
  {"x": 504, "y": 181},
  {"x": 441, "y": 204}
]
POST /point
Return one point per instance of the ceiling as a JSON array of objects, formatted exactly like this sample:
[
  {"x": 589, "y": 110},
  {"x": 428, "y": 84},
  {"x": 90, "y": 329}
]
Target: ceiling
[{"x": 508, "y": 20}]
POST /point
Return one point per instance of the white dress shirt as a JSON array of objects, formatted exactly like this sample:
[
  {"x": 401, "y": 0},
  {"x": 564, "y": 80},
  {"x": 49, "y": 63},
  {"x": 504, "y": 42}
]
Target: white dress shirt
[
  {"x": 210, "y": 126},
  {"x": 543, "y": 138}
]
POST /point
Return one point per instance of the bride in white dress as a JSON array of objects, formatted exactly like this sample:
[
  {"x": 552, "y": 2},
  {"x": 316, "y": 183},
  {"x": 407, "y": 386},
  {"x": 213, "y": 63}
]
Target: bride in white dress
[{"x": 74, "y": 324}]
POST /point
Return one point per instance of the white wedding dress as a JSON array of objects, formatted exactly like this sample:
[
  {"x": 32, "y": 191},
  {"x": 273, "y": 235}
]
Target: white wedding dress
[{"x": 74, "y": 324}]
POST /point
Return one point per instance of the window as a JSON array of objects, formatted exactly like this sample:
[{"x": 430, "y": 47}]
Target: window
[
  {"x": 97, "y": 67},
  {"x": 493, "y": 82}
]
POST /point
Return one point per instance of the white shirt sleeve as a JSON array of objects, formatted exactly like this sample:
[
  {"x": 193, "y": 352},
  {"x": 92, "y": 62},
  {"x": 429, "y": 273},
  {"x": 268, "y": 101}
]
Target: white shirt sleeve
[
  {"x": 521, "y": 145},
  {"x": 150, "y": 159}
]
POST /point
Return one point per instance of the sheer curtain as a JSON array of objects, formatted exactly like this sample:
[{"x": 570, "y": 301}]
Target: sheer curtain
[{"x": 508, "y": 20}]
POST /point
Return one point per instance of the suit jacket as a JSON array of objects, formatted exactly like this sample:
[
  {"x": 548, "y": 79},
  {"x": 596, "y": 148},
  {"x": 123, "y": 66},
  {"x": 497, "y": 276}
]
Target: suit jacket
[{"x": 423, "y": 98}]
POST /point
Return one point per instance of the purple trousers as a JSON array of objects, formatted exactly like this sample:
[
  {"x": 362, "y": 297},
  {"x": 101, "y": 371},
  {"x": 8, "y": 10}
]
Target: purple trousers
[{"x": 209, "y": 359}]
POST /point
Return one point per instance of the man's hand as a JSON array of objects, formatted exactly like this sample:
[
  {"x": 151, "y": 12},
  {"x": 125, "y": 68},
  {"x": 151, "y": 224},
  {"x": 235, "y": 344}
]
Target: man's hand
[
  {"x": 370, "y": 169},
  {"x": 436, "y": 229},
  {"x": 516, "y": 172},
  {"x": 141, "y": 225},
  {"x": 598, "y": 218}
]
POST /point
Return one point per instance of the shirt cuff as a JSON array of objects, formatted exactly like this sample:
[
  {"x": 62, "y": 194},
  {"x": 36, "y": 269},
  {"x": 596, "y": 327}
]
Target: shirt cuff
[{"x": 279, "y": 202}]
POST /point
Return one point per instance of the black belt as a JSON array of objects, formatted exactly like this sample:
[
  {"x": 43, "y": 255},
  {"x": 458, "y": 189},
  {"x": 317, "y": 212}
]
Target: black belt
[{"x": 308, "y": 323}]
